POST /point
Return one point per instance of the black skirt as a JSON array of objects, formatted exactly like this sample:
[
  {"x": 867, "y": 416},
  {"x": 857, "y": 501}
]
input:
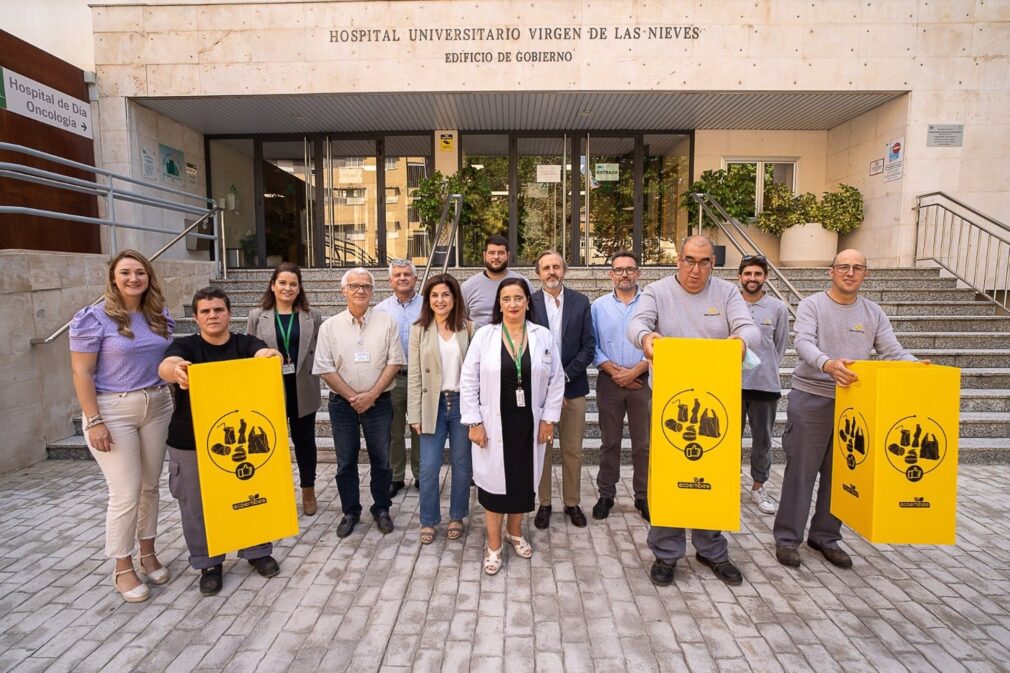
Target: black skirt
[{"x": 517, "y": 442}]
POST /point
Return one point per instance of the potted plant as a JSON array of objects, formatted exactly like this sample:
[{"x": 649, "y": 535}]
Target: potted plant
[{"x": 809, "y": 229}]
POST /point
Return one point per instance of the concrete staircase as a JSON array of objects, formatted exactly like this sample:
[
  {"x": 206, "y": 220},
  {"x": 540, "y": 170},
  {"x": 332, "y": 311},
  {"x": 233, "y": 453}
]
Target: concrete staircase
[{"x": 931, "y": 315}]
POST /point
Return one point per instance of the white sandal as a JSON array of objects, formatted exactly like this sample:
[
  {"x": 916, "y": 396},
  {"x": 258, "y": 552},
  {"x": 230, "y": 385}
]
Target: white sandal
[
  {"x": 520, "y": 545},
  {"x": 137, "y": 594},
  {"x": 492, "y": 561},
  {"x": 159, "y": 576}
]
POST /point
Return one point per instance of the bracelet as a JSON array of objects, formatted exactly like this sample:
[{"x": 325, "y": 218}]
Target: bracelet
[
  {"x": 94, "y": 423},
  {"x": 475, "y": 425}
]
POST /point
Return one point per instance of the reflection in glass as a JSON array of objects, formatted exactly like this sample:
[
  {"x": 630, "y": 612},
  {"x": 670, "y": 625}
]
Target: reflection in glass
[
  {"x": 349, "y": 216},
  {"x": 484, "y": 171},
  {"x": 287, "y": 199},
  {"x": 544, "y": 175},
  {"x": 609, "y": 171},
  {"x": 232, "y": 186},
  {"x": 665, "y": 178},
  {"x": 407, "y": 163}
]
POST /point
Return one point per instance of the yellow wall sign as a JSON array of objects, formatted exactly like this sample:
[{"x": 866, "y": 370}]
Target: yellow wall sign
[
  {"x": 694, "y": 457},
  {"x": 894, "y": 460},
  {"x": 242, "y": 452}
]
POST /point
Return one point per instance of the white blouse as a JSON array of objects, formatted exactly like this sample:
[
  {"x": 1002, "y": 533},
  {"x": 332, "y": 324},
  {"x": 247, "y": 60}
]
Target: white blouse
[{"x": 452, "y": 362}]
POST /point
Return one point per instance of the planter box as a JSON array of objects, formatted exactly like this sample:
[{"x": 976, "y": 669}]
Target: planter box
[{"x": 807, "y": 244}]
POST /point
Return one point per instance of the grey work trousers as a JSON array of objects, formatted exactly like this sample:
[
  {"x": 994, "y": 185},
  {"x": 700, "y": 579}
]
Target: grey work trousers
[
  {"x": 761, "y": 414},
  {"x": 807, "y": 443},
  {"x": 670, "y": 544},
  {"x": 613, "y": 402},
  {"x": 397, "y": 435},
  {"x": 184, "y": 483}
]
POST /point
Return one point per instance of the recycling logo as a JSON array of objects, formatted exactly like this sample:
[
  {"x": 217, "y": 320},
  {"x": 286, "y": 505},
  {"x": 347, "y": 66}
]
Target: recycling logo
[
  {"x": 916, "y": 445},
  {"x": 853, "y": 437},
  {"x": 695, "y": 422},
  {"x": 241, "y": 442}
]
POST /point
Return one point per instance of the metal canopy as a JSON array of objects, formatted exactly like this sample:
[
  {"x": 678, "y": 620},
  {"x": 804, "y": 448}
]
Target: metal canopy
[{"x": 508, "y": 111}]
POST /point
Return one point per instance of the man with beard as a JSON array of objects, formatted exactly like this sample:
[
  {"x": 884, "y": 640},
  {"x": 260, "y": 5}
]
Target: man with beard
[
  {"x": 761, "y": 387},
  {"x": 833, "y": 330},
  {"x": 480, "y": 290},
  {"x": 404, "y": 305},
  {"x": 567, "y": 314},
  {"x": 692, "y": 305}
]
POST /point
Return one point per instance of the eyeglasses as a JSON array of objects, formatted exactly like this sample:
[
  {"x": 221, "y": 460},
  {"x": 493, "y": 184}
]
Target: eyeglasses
[
  {"x": 359, "y": 287},
  {"x": 753, "y": 259},
  {"x": 513, "y": 300},
  {"x": 845, "y": 268},
  {"x": 625, "y": 271},
  {"x": 690, "y": 262}
]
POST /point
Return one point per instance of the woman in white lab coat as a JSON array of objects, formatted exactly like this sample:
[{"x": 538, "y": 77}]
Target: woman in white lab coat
[{"x": 511, "y": 390}]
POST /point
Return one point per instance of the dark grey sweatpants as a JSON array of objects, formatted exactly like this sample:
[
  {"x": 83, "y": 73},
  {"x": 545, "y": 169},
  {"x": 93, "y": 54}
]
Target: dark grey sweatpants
[
  {"x": 184, "y": 483},
  {"x": 807, "y": 443},
  {"x": 761, "y": 414}
]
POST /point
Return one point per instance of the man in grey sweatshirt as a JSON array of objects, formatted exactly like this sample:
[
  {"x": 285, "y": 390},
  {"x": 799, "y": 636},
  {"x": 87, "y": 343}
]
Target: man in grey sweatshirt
[
  {"x": 694, "y": 305},
  {"x": 833, "y": 329},
  {"x": 481, "y": 289}
]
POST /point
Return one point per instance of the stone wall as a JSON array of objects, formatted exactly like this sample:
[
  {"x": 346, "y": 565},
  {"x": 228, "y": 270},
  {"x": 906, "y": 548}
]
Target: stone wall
[{"x": 39, "y": 292}]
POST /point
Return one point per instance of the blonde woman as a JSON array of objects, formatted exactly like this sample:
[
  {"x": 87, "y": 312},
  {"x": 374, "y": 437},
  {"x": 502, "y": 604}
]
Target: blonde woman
[{"x": 115, "y": 349}]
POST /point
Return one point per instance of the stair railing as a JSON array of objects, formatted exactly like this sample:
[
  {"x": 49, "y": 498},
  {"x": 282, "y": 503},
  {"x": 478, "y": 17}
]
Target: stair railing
[
  {"x": 456, "y": 201},
  {"x": 712, "y": 212},
  {"x": 972, "y": 246}
]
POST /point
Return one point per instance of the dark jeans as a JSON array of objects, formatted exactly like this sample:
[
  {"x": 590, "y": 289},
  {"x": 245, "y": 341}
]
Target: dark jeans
[
  {"x": 303, "y": 435},
  {"x": 375, "y": 424}
]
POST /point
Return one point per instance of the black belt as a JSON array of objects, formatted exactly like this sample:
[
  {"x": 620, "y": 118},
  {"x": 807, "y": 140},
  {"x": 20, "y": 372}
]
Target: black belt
[{"x": 403, "y": 371}]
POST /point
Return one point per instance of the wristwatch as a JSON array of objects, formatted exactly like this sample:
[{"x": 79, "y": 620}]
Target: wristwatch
[{"x": 475, "y": 425}]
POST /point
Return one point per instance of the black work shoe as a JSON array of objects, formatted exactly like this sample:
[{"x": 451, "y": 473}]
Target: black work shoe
[
  {"x": 543, "y": 518},
  {"x": 601, "y": 510},
  {"x": 347, "y": 524},
  {"x": 575, "y": 514},
  {"x": 642, "y": 505},
  {"x": 266, "y": 566},
  {"x": 724, "y": 570},
  {"x": 787, "y": 555},
  {"x": 395, "y": 487},
  {"x": 835, "y": 555},
  {"x": 211, "y": 580},
  {"x": 662, "y": 573},
  {"x": 384, "y": 523}
]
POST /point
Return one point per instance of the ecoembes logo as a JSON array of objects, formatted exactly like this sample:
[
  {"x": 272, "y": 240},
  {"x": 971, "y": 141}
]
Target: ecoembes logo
[
  {"x": 699, "y": 484},
  {"x": 916, "y": 503},
  {"x": 254, "y": 499},
  {"x": 851, "y": 490}
]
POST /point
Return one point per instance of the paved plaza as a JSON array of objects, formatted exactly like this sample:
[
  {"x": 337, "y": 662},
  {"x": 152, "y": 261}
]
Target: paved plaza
[{"x": 584, "y": 603}]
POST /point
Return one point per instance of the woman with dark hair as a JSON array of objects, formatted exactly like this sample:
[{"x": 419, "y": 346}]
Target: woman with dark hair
[
  {"x": 115, "y": 349},
  {"x": 285, "y": 322},
  {"x": 512, "y": 387},
  {"x": 438, "y": 343}
]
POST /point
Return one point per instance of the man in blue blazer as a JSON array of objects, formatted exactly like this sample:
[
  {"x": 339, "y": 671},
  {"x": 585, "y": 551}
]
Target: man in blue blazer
[{"x": 567, "y": 314}]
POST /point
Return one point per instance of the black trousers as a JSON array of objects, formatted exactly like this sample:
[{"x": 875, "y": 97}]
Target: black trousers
[{"x": 303, "y": 434}]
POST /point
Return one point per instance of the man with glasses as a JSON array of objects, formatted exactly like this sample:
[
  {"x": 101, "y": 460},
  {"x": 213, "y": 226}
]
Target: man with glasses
[
  {"x": 566, "y": 313},
  {"x": 693, "y": 305},
  {"x": 833, "y": 329},
  {"x": 761, "y": 387},
  {"x": 358, "y": 356},
  {"x": 404, "y": 305},
  {"x": 622, "y": 387},
  {"x": 481, "y": 289}
]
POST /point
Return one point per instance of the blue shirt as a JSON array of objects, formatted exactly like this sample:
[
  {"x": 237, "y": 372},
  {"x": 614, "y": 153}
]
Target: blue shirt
[
  {"x": 610, "y": 324},
  {"x": 404, "y": 313}
]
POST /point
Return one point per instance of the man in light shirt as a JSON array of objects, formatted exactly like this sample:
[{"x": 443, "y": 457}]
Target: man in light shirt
[
  {"x": 404, "y": 305},
  {"x": 358, "y": 356}
]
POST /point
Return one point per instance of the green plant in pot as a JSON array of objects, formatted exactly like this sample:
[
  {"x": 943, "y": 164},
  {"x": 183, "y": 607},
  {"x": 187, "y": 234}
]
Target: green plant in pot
[
  {"x": 809, "y": 228},
  {"x": 842, "y": 211}
]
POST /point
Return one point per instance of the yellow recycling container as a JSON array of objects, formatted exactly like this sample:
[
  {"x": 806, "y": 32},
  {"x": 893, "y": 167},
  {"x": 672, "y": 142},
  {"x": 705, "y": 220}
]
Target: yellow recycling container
[
  {"x": 242, "y": 453},
  {"x": 694, "y": 456},
  {"x": 894, "y": 452}
]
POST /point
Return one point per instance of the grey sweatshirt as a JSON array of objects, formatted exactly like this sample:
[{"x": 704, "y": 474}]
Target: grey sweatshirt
[
  {"x": 772, "y": 318},
  {"x": 826, "y": 330},
  {"x": 717, "y": 312},
  {"x": 479, "y": 293}
]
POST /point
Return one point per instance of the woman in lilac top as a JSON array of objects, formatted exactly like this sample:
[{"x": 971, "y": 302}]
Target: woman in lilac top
[{"x": 115, "y": 350}]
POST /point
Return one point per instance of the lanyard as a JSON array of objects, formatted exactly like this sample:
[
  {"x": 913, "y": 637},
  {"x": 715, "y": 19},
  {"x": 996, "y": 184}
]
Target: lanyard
[
  {"x": 286, "y": 336},
  {"x": 517, "y": 353}
]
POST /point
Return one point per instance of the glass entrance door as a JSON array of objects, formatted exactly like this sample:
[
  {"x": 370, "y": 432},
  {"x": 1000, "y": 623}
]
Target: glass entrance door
[
  {"x": 608, "y": 197},
  {"x": 349, "y": 201},
  {"x": 544, "y": 176},
  {"x": 288, "y": 199}
]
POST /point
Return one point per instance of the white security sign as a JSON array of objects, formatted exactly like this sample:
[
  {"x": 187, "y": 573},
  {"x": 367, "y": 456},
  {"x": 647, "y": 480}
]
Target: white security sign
[{"x": 28, "y": 98}]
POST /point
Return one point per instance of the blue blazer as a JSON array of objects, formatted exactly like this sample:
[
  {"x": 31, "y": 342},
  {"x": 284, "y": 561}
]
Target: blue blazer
[{"x": 578, "y": 343}]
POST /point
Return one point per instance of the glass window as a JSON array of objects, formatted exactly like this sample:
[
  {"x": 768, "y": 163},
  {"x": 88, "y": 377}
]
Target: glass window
[
  {"x": 777, "y": 172},
  {"x": 232, "y": 180},
  {"x": 485, "y": 169},
  {"x": 665, "y": 178},
  {"x": 407, "y": 163}
]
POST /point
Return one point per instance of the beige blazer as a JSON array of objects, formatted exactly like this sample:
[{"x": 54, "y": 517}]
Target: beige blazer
[
  {"x": 424, "y": 374},
  {"x": 262, "y": 326}
]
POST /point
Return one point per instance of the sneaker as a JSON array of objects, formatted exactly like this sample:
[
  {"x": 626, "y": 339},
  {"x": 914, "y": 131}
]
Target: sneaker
[
  {"x": 211, "y": 580},
  {"x": 764, "y": 502},
  {"x": 266, "y": 566}
]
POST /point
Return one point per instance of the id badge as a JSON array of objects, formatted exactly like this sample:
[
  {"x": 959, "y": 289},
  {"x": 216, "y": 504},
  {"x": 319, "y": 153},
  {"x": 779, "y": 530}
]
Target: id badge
[
  {"x": 362, "y": 357},
  {"x": 288, "y": 368},
  {"x": 520, "y": 398}
]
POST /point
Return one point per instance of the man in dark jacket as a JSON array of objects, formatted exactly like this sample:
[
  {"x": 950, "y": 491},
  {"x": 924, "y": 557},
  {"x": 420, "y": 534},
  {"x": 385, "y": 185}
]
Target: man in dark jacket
[{"x": 568, "y": 315}]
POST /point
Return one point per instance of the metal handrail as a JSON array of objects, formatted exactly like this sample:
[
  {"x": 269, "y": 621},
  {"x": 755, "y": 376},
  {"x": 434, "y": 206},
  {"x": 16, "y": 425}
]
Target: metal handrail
[
  {"x": 55, "y": 335},
  {"x": 457, "y": 201},
  {"x": 722, "y": 221},
  {"x": 955, "y": 243}
]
